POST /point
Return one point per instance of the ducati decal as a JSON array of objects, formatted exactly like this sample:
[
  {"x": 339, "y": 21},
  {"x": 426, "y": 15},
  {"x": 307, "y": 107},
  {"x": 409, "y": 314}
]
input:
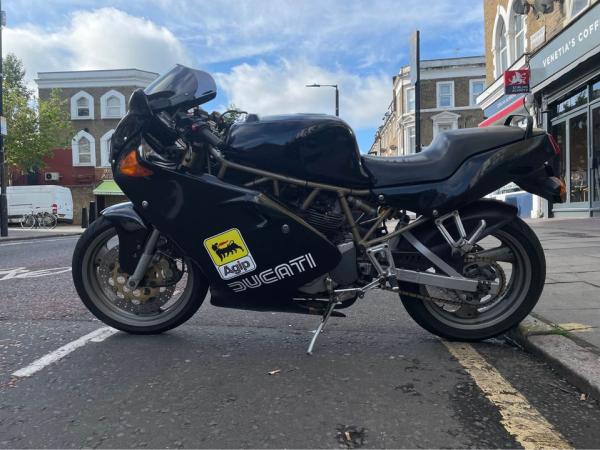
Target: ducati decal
[
  {"x": 269, "y": 276},
  {"x": 230, "y": 254}
]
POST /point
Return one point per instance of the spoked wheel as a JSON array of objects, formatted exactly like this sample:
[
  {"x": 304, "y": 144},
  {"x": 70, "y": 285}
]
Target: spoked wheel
[
  {"x": 172, "y": 290},
  {"x": 511, "y": 256},
  {"x": 27, "y": 221}
]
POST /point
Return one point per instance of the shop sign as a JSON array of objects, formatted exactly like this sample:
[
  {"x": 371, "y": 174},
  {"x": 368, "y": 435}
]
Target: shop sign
[
  {"x": 516, "y": 81},
  {"x": 537, "y": 38},
  {"x": 575, "y": 41}
]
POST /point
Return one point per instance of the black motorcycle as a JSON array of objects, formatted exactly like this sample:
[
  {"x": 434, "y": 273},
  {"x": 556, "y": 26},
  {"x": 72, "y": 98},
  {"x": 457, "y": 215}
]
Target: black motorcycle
[{"x": 283, "y": 213}]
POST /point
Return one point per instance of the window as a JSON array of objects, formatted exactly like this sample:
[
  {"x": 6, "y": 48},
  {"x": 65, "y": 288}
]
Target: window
[
  {"x": 410, "y": 100},
  {"x": 82, "y": 106},
  {"x": 85, "y": 156},
  {"x": 105, "y": 149},
  {"x": 577, "y": 6},
  {"x": 410, "y": 142},
  {"x": 444, "y": 121},
  {"x": 501, "y": 48},
  {"x": 112, "y": 105},
  {"x": 519, "y": 35},
  {"x": 445, "y": 94},
  {"x": 83, "y": 149},
  {"x": 476, "y": 87}
]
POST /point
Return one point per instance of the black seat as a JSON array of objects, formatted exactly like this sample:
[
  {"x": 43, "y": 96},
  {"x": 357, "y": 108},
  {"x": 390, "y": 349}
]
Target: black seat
[{"x": 441, "y": 159}]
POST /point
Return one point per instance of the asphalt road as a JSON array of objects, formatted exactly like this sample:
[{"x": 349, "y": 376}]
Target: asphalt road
[{"x": 374, "y": 375}]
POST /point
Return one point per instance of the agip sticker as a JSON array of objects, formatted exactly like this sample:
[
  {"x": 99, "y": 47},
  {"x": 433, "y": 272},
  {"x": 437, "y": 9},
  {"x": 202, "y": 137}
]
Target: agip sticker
[{"x": 230, "y": 254}]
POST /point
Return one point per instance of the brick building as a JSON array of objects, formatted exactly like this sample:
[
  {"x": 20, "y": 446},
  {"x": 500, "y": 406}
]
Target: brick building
[
  {"x": 559, "y": 41},
  {"x": 97, "y": 100},
  {"x": 449, "y": 89}
]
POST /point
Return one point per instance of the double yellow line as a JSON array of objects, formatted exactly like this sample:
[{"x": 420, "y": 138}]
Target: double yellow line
[{"x": 519, "y": 417}]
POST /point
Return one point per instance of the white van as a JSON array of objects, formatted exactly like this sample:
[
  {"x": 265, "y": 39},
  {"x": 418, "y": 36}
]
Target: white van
[{"x": 47, "y": 198}]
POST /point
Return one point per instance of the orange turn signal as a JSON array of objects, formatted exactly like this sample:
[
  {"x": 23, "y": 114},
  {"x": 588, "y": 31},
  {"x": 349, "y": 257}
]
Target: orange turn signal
[{"x": 131, "y": 167}]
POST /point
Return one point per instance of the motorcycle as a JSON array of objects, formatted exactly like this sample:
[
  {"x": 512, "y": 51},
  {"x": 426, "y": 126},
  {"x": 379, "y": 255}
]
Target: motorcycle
[{"x": 283, "y": 213}]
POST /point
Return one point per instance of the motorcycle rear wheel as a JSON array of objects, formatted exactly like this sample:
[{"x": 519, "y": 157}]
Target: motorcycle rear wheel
[
  {"x": 523, "y": 289},
  {"x": 96, "y": 291}
]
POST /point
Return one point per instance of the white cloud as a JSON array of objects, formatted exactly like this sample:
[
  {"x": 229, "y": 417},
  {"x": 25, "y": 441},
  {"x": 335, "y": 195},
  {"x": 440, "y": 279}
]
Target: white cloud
[
  {"x": 105, "y": 38},
  {"x": 280, "y": 88}
]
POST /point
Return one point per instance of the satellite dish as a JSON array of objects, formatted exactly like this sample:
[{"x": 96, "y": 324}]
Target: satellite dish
[
  {"x": 521, "y": 7},
  {"x": 544, "y": 6}
]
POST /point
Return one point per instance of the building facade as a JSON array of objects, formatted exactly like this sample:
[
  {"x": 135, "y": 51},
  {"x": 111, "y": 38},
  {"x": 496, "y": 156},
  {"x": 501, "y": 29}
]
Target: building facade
[
  {"x": 559, "y": 41},
  {"x": 96, "y": 100},
  {"x": 449, "y": 89}
]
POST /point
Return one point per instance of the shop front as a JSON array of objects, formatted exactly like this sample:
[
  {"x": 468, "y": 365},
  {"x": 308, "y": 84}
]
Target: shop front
[{"x": 565, "y": 80}]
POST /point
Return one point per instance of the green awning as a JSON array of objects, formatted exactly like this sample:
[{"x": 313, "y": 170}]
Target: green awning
[{"x": 108, "y": 187}]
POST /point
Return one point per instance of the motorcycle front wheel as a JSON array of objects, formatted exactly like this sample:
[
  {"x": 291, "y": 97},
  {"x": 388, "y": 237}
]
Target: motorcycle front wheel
[
  {"x": 160, "y": 304},
  {"x": 516, "y": 261}
]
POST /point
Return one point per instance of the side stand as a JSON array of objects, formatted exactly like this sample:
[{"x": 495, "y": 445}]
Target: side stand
[{"x": 324, "y": 320}]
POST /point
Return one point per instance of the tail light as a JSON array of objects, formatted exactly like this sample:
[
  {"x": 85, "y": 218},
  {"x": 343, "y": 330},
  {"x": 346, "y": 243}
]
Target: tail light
[
  {"x": 131, "y": 167},
  {"x": 554, "y": 144},
  {"x": 54, "y": 208}
]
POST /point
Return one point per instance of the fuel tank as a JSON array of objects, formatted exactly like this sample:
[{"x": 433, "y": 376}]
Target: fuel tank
[{"x": 313, "y": 147}]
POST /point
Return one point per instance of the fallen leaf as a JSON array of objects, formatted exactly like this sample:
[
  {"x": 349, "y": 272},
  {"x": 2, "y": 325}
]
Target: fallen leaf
[
  {"x": 274, "y": 372},
  {"x": 583, "y": 397}
]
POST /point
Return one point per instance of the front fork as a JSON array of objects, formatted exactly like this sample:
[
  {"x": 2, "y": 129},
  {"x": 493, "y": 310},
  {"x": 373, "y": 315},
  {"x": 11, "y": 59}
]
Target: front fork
[{"x": 140, "y": 269}]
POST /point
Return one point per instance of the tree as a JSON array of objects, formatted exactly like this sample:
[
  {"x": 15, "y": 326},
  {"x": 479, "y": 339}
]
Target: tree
[{"x": 34, "y": 126}]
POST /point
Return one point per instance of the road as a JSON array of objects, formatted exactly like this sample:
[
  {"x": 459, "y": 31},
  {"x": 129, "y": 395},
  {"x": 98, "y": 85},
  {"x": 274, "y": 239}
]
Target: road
[{"x": 375, "y": 378}]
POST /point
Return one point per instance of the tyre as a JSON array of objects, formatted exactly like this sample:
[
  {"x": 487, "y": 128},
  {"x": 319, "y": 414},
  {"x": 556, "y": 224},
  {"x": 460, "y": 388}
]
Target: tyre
[
  {"x": 160, "y": 304},
  {"x": 516, "y": 260},
  {"x": 27, "y": 221}
]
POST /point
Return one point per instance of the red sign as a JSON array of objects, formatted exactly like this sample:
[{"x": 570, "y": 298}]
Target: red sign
[{"x": 516, "y": 81}]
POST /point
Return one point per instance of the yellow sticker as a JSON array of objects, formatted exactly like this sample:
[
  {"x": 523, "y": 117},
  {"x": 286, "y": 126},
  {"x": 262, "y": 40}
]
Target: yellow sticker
[{"x": 230, "y": 254}]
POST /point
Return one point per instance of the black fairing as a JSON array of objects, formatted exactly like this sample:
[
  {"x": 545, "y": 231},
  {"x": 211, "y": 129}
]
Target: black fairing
[{"x": 312, "y": 147}]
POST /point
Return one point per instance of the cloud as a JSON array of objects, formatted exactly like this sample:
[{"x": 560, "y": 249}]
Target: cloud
[
  {"x": 105, "y": 38},
  {"x": 277, "y": 88}
]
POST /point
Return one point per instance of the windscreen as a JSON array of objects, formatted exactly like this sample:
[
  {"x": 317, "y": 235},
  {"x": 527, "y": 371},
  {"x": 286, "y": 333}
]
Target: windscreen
[{"x": 182, "y": 87}]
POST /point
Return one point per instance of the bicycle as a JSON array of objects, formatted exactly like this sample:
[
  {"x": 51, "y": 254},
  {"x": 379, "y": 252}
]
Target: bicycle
[{"x": 39, "y": 219}]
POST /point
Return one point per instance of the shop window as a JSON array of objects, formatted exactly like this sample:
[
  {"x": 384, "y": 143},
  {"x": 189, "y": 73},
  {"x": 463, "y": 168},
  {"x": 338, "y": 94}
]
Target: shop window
[
  {"x": 572, "y": 102},
  {"x": 596, "y": 90},
  {"x": 578, "y": 158},
  {"x": 445, "y": 94},
  {"x": 476, "y": 87}
]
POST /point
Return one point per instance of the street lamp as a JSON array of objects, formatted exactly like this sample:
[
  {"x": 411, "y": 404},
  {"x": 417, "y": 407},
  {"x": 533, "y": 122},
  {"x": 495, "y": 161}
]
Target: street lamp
[{"x": 337, "y": 95}]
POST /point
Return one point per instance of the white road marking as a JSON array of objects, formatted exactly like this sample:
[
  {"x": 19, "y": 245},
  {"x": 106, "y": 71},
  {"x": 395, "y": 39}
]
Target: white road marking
[
  {"x": 36, "y": 241},
  {"x": 22, "y": 272},
  {"x": 95, "y": 336},
  {"x": 519, "y": 417}
]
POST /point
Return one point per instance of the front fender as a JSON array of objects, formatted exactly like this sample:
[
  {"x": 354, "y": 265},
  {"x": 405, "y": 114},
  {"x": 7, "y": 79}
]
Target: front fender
[{"x": 132, "y": 232}]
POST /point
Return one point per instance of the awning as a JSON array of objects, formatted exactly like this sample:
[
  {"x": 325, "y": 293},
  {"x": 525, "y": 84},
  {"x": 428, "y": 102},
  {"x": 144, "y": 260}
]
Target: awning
[
  {"x": 108, "y": 187},
  {"x": 516, "y": 107}
]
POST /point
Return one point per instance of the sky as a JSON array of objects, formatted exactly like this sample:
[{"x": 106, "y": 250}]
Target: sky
[{"x": 262, "y": 53}]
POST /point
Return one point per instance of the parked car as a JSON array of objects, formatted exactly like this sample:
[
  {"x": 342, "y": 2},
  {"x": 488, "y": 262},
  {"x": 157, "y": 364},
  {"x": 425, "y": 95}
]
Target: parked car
[{"x": 53, "y": 199}]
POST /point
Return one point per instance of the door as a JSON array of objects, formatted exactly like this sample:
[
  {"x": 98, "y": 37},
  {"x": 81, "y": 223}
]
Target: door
[
  {"x": 595, "y": 158},
  {"x": 571, "y": 133}
]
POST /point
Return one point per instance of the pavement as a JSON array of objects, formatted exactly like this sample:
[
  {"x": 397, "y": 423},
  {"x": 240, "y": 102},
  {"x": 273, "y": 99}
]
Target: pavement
[
  {"x": 231, "y": 379},
  {"x": 16, "y": 233},
  {"x": 564, "y": 327}
]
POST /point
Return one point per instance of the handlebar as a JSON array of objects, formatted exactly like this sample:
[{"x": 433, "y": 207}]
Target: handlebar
[{"x": 208, "y": 136}]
